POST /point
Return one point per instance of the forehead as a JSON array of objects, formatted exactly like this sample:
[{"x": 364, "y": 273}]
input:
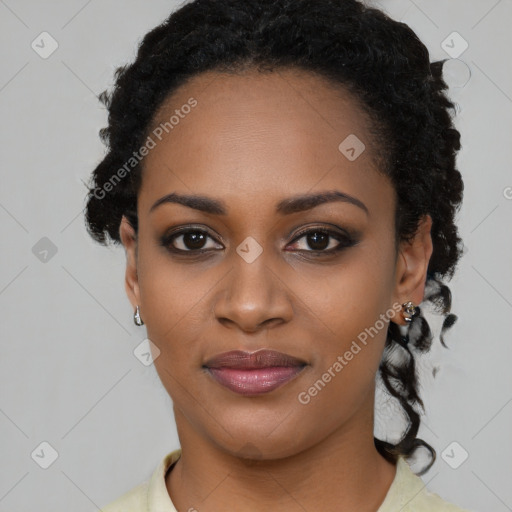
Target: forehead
[{"x": 253, "y": 134}]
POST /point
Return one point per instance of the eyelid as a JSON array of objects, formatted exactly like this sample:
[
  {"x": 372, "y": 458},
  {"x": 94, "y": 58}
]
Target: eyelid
[
  {"x": 342, "y": 230},
  {"x": 326, "y": 228},
  {"x": 179, "y": 230}
]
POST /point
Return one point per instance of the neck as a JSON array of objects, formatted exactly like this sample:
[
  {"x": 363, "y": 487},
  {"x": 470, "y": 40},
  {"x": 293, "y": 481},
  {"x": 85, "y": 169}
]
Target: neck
[{"x": 344, "y": 468}]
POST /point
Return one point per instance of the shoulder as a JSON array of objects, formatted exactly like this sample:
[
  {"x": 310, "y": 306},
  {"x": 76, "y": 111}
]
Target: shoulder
[
  {"x": 132, "y": 501},
  {"x": 427, "y": 501},
  {"x": 149, "y": 495},
  {"x": 408, "y": 493}
]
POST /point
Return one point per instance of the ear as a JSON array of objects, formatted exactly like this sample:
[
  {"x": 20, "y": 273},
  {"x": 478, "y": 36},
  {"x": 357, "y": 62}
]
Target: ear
[
  {"x": 129, "y": 240},
  {"x": 411, "y": 267}
]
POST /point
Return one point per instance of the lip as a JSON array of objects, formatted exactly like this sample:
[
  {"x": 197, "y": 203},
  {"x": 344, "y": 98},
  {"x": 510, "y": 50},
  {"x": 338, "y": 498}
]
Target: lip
[{"x": 254, "y": 373}]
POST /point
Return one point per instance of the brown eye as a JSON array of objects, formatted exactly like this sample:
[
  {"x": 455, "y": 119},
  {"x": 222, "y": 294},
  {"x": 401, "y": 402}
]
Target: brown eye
[
  {"x": 194, "y": 240},
  {"x": 190, "y": 240},
  {"x": 322, "y": 241},
  {"x": 318, "y": 240}
]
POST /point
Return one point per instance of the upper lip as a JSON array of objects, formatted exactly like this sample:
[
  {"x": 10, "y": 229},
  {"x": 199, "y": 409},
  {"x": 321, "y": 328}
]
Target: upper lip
[{"x": 249, "y": 360}]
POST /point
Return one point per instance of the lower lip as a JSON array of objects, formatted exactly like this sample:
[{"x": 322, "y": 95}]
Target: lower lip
[{"x": 254, "y": 381}]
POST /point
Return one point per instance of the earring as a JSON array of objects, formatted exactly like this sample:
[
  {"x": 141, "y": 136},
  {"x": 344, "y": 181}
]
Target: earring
[
  {"x": 410, "y": 311},
  {"x": 136, "y": 317}
]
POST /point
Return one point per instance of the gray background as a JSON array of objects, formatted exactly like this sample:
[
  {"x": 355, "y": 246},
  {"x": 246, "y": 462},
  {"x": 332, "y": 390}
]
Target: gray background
[{"x": 69, "y": 376}]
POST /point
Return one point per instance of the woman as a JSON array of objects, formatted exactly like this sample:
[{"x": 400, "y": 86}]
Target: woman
[{"x": 282, "y": 177}]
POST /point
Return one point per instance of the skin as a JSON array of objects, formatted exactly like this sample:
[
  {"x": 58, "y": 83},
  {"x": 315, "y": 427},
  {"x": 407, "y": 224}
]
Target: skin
[{"x": 253, "y": 140}]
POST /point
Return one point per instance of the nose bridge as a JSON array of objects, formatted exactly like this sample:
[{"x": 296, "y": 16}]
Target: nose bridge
[{"x": 253, "y": 293}]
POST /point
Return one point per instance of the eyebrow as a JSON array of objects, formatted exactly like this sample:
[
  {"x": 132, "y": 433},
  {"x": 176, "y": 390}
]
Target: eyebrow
[{"x": 284, "y": 207}]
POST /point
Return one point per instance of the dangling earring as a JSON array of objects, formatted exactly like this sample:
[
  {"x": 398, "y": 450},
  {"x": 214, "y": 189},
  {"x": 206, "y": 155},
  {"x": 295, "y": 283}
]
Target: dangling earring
[
  {"x": 136, "y": 317},
  {"x": 410, "y": 311}
]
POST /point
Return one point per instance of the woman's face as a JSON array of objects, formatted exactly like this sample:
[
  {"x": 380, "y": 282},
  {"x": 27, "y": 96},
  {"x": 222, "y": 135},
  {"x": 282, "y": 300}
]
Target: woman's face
[{"x": 236, "y": 270}]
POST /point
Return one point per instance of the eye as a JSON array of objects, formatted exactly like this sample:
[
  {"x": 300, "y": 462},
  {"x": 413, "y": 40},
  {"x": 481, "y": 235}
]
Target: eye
[
  {"x": 322, "y": 240},
  {"x": 189, "y": 240}
]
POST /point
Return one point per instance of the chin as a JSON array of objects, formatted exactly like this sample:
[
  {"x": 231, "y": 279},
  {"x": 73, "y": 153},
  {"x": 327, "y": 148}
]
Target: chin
[{"x": 264, "y": 440}]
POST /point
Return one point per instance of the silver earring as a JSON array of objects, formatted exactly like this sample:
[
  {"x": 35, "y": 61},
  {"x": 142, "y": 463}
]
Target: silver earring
[
  {"x": 136, "y": 317},
  {"x": 410, "y": 311}
]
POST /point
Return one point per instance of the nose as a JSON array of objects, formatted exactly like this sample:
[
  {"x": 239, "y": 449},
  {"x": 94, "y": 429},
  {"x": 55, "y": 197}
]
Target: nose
[{"x": 254, "y": 297}]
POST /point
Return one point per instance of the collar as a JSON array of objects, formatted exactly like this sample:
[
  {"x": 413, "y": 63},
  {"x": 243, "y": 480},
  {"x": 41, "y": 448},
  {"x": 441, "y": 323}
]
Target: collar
[
  {"x": 404, "y": 488},
  {"x": 158, "y": 499}
]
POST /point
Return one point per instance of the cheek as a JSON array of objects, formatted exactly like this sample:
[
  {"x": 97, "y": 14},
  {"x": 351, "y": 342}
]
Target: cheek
[
  {"x": 350, "y": 311},
  {"x": 346, "y": 298},
  {"x": 175, "y": 318},
  {"x": 173, "y": 302}
]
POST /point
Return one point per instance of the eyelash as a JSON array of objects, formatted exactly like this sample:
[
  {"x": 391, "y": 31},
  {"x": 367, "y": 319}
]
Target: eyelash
[{"x": 345, "y": 241}]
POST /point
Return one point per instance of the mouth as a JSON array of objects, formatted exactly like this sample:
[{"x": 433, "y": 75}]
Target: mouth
[{"x": 254, "y": 373}]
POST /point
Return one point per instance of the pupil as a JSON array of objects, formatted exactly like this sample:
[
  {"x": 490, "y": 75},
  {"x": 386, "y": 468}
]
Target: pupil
[
  {"x": 318, "y": 240},
  {"x": 193, "y": 240}
]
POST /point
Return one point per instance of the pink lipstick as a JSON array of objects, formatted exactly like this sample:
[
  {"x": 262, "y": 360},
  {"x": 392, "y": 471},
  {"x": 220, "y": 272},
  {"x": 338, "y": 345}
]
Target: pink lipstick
[{"x": 253, "y": 373}]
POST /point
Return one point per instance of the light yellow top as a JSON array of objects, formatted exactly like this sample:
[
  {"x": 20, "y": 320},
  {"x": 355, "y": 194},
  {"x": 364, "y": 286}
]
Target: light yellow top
[{"x": 406, "y": 494}]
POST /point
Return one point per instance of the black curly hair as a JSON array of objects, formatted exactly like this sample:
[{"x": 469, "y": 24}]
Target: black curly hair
[{"x": 380, "y": 61}]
